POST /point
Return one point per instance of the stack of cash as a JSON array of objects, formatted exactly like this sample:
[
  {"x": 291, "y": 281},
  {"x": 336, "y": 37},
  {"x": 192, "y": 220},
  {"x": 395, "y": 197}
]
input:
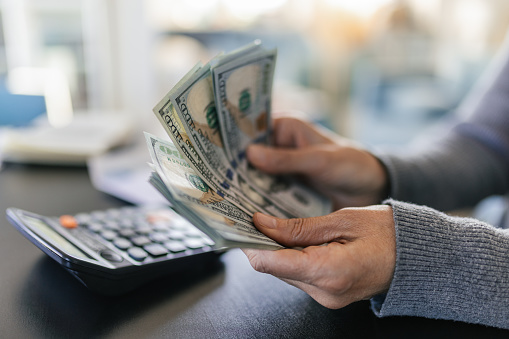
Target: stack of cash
[{"x": 211, "y": 115}]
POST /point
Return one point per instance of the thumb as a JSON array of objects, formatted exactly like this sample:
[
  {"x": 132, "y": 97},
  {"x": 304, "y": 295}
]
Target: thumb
[
  {"x": 284, "y": 160},
  {"x": 298, "y": 232}
]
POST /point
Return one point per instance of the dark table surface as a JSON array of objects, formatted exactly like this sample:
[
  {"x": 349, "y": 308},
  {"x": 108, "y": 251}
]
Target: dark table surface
[{"x": 38, "y": 299}]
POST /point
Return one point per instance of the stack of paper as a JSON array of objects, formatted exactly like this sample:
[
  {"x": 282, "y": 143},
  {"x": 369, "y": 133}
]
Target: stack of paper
[{"x": 87, "y": 135}]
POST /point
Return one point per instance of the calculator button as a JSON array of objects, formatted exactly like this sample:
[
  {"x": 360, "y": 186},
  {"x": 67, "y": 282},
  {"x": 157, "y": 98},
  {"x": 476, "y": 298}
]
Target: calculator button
[
  {"x": 155, "y": 250},
  {"x": 160, "y": 226},
  {"x": 122, "y": 243},
  {"x": 143, "y": 229},
  {"x": 140, "y": 220},
  {"x": 108, "y": 235},
  {"x": 126, "y": 223},
  {"x": 113, "y": 213},
  {"x": 159, "y": 237},
  {"x": 159, "y": 216},
  {"x": 175, "y": 246},
  {"x": 95, "y": 226},
  {"x": 207, "y": 241},
  {"x": 68, "y": 221},
  {"x": 176, "y": 235},
  {"x": 99, "y": 215},
  {"x": 180, "y": 224},
  {"x": 193, "y": 232},
  {"x": 111, "y": 256},
  {"x": 194, "y": 243},
  {"x": 140, "y": 240},
  {"x": 126, "y": 232},
  {"x": 137, "y": 253},
  {"x": 83, "y": 218},
  {"x": 112, "y": 225}
]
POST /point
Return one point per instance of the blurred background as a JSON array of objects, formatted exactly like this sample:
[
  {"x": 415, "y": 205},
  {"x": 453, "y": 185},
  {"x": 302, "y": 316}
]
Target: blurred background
[{"x": 379, "y": 71}]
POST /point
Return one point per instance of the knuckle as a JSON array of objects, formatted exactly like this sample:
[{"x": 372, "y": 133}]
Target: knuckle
[
  {"x": 296, "y": 228},
  {"x": 345, "y": 217}
]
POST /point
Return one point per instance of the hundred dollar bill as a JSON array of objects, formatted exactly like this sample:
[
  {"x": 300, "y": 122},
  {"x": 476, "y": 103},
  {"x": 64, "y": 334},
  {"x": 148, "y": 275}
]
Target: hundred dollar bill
[
  {"x": 243, "y": 89},
  {"x": 238, "y": 53},
  {"x": 205, "y": 218},
  {"x": 289, "y": 194},
  {"x": 194, "y": 199},
  {"x": 194, "y": 103},
  {"x": 183, "y": 181},
  {"x": 224, "y": 231},
  {"x": 168, "y": 117}
]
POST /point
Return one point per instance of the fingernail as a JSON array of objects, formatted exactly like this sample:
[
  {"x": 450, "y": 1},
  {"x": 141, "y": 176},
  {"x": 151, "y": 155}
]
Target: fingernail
[
  {"x": 255, "y": 153},
  {"x": 266, "y": 221}
]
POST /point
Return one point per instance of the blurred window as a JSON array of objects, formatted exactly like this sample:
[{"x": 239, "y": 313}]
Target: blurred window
[
  {"x": 44, "y": 34},
  {"x": 371, "y": 71},
  {"x": 60, "y": 40},
  {"x": 3, "y": 60}
]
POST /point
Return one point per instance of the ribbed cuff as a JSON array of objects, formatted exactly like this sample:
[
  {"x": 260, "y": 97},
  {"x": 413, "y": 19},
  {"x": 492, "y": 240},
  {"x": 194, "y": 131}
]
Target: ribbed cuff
[{"x": 447, "y": 268}]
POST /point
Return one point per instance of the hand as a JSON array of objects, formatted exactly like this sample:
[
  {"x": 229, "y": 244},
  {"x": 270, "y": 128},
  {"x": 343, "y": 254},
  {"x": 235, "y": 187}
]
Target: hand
[
  {"x": 335, "y": 166},
  {"x": 356, "y": 263}
]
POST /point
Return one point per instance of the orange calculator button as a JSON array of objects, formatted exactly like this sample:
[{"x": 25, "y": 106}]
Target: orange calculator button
[{"x": 68, "y": 221}]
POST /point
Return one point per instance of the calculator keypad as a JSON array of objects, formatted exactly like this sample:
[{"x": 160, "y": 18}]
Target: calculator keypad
[{"x": 142, "y": 233}]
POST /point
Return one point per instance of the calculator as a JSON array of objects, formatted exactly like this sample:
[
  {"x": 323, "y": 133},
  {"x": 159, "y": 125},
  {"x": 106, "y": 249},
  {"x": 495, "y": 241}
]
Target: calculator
[{"x": 116, "y": 250}]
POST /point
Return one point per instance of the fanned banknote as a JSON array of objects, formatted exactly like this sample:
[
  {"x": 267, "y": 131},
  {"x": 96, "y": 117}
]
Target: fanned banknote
[
  {"x": 212, "y": 115},
  {"x": 194, "y": 103},
  {"x": 193, "y": 199},
  {"x": 243, "y": 91},
  {"x": 243, "y": 88},
  {"x": 168, "y": 117}
]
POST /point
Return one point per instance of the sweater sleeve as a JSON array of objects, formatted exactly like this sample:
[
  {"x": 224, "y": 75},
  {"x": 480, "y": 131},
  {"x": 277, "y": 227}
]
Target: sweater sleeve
[
  {"x": 457, "y": 172},
  {"x": 447, "y": 268}
]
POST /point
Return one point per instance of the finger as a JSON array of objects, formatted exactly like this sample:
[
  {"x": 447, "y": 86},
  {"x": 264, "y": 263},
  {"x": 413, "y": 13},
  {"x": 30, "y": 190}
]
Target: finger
[
  {"x": 318, "y": 294},
  {"x": 292, "y": 132},
  {"x": 300, "y": 232},
  {"x": 284, "y": 264},
  {"x": 305, "y": 160},
  {"x": 304, "y": 270}
]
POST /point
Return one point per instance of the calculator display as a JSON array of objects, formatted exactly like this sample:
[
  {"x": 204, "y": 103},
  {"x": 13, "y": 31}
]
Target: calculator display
[{"x": 44, "y": 230}]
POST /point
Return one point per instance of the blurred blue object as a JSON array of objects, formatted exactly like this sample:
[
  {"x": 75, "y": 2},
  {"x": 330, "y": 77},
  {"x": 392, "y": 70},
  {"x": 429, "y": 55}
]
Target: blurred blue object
[{"x": 17, "y": 109}]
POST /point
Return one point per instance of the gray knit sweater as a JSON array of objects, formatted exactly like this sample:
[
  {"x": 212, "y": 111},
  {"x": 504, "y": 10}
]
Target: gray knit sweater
[{"x": 449, "y": 267}]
